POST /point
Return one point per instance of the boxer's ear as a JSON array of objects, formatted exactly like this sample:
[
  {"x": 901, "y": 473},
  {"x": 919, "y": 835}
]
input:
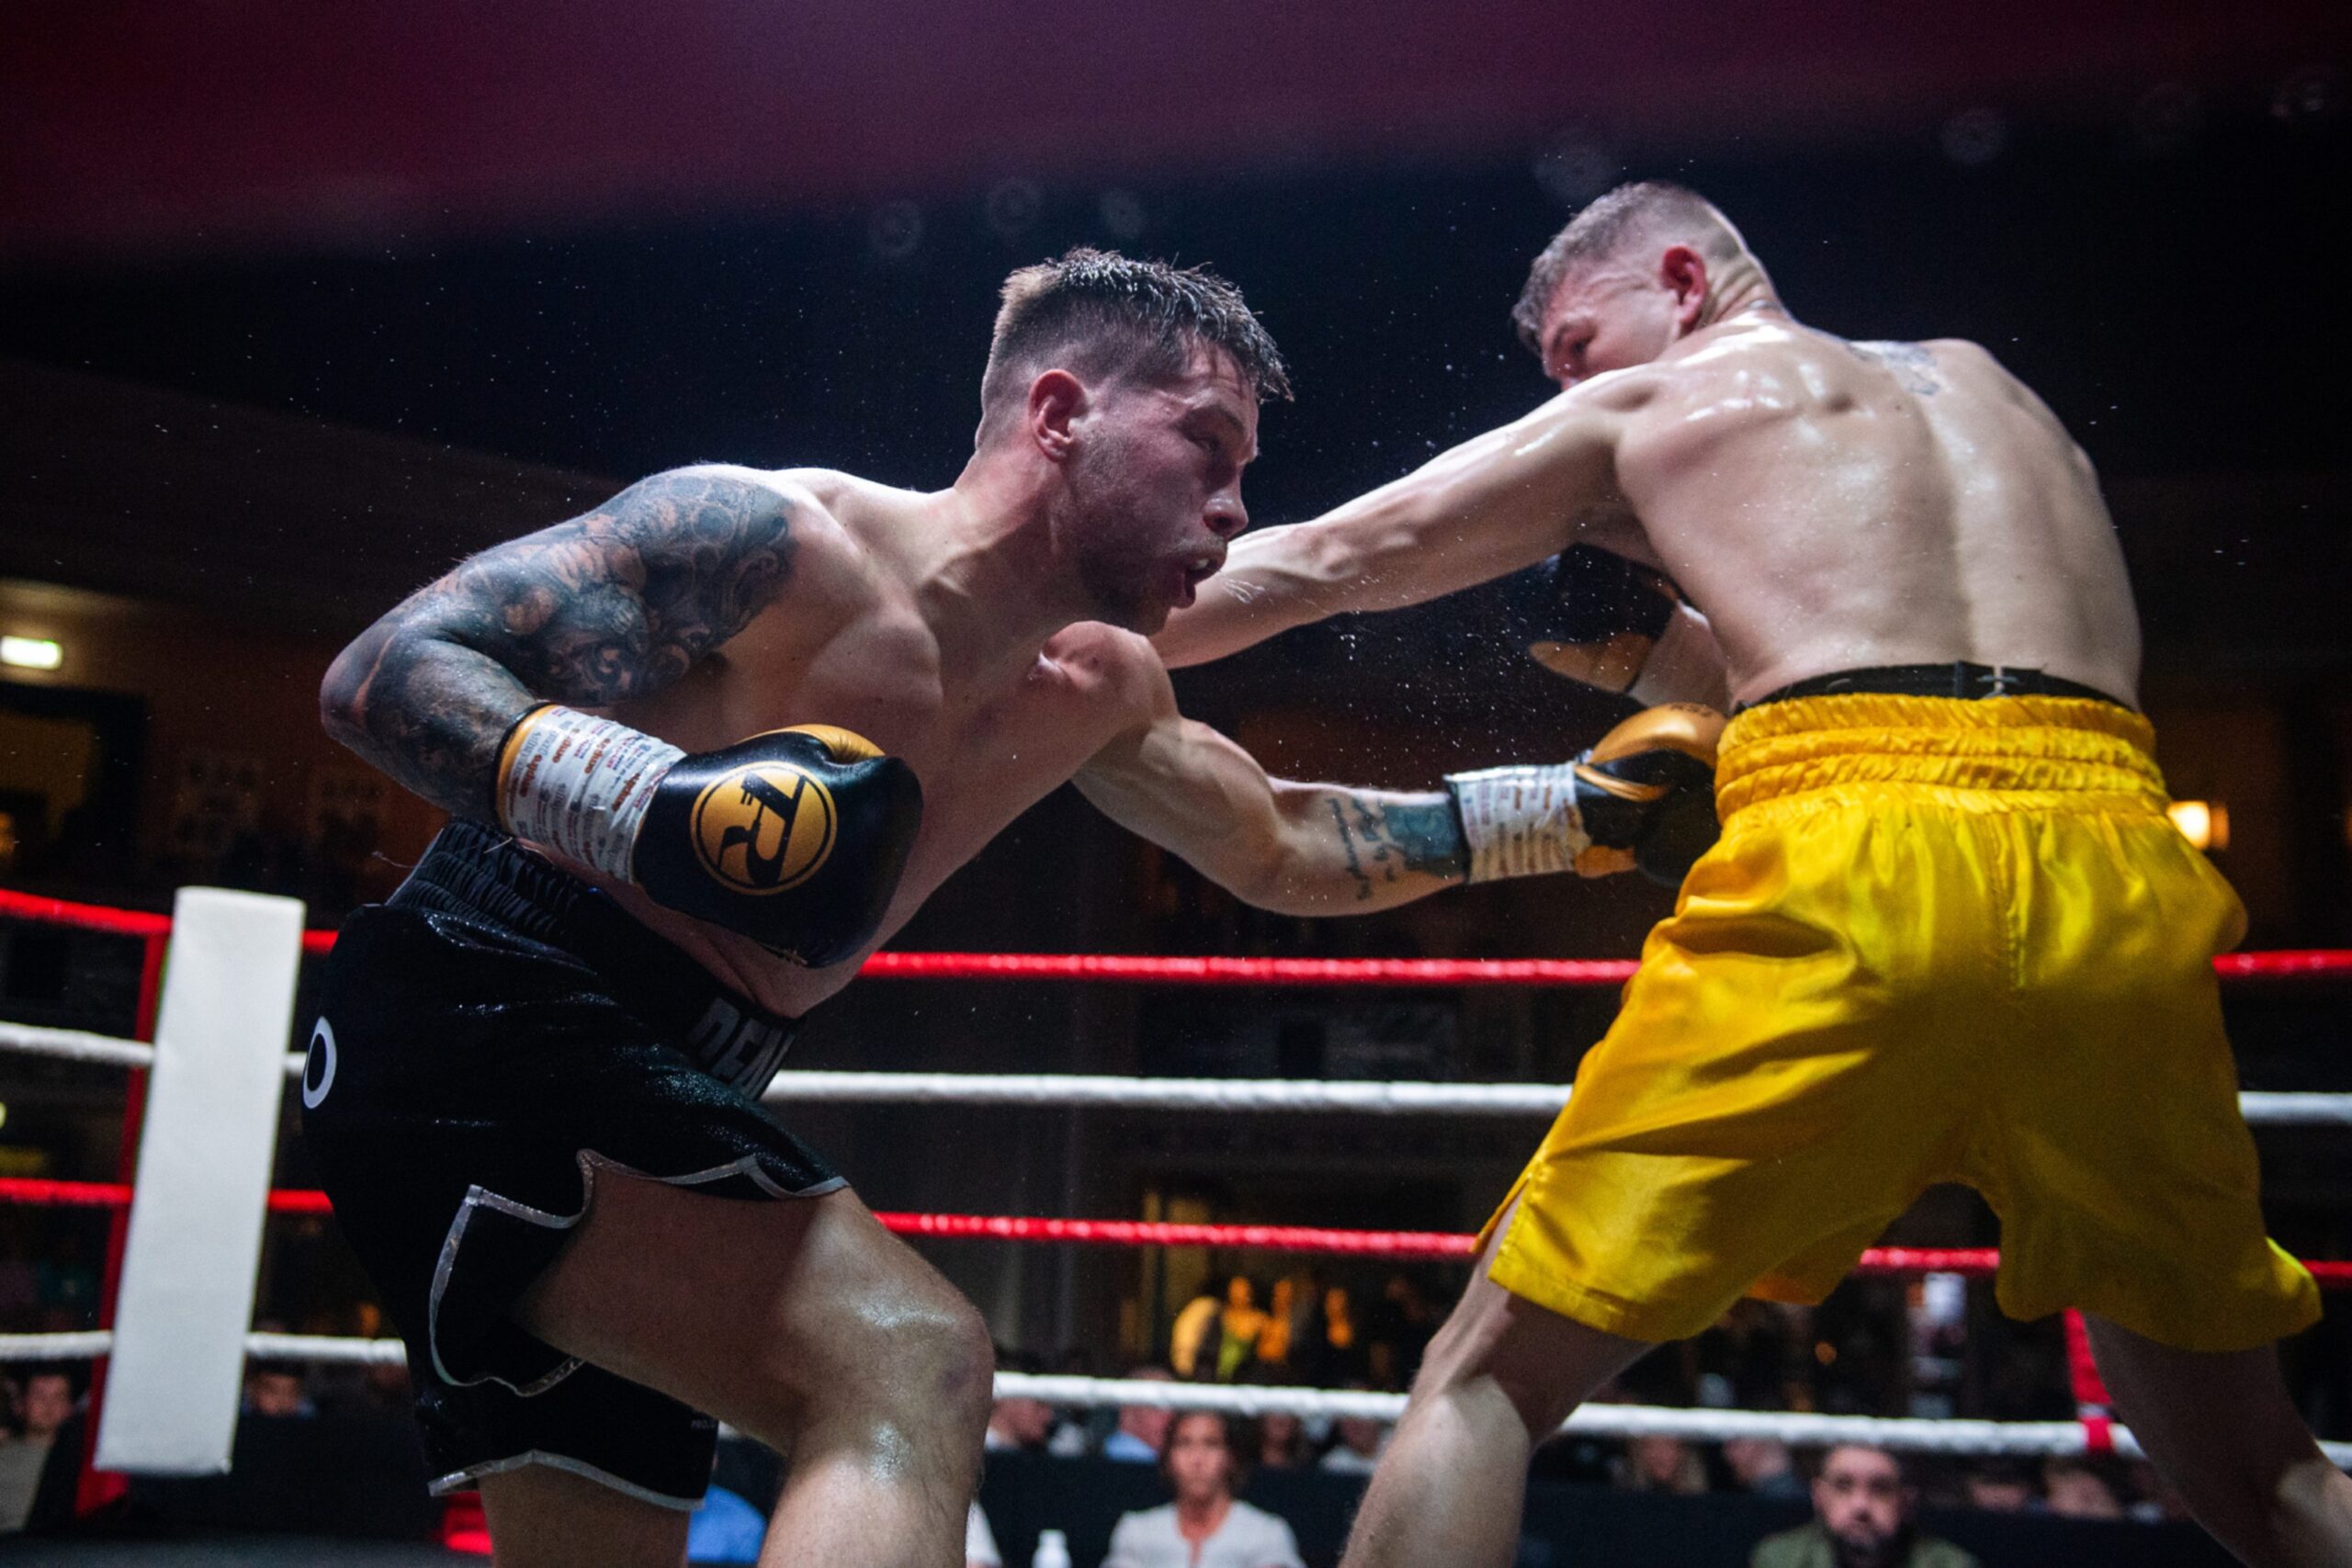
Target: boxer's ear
[
  {"x": 1684, "y": 272},
  {"x": 1057, "y": 398}
]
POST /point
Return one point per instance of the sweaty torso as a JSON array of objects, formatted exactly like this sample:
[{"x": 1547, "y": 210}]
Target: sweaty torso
[
  {"x": 850, "y": 643},
  {"x": 1832, "y": 505}
]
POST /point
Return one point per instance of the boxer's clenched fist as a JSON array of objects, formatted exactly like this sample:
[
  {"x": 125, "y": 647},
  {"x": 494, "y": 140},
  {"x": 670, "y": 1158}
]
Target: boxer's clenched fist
[
  {"x": 1642, "y": 798},
  {"x": 1597, "y": 616},
  {"x": 795, "y": 838}
]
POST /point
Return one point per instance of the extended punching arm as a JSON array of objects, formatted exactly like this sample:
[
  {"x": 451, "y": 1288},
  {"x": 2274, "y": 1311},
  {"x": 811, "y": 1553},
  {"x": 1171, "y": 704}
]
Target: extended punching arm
[{"x": 1642, "y": 798}]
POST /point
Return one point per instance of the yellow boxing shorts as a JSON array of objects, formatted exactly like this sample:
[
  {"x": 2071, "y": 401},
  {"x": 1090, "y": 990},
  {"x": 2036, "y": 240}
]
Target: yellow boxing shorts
[{"x": 1939, "y": 941}]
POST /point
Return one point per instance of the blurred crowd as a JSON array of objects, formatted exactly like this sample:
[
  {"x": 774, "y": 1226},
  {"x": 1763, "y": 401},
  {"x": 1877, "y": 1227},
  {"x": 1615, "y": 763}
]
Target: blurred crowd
[{"x": 1877, "y": 1347}]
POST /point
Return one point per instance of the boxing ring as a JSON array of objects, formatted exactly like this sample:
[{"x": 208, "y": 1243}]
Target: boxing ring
[{"x": 140, "y": 1346}]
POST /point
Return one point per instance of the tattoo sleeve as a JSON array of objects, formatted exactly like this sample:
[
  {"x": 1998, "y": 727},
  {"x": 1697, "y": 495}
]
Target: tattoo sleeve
[
  {"x": 611, "y": 606},
  {"x": 1384, "y": 837}
]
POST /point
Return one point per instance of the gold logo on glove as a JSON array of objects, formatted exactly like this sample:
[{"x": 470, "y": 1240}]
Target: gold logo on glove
[{"x": 764, "y": 827}]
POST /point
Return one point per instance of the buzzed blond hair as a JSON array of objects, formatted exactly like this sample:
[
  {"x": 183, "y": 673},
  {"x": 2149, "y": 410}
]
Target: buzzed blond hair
[{"x": 1657, "y": 210}]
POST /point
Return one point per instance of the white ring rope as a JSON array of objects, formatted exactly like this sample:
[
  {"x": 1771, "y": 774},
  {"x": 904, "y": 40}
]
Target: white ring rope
[
  {"x": 2261, "y": 1109},
  {"x": 74, "y": 1046},
  {"x": 85, "y": 1346},
  {"x": 1302, "y": 1094},
  {"x": 326, "y": 1350},
  {"x": 1909, "y": 1434},
  {"x": 1169, "y": 1094}
]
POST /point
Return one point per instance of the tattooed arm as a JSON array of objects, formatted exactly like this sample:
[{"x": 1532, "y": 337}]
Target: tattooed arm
[
  {"x": 607, "y": 606},
  {"x": 1299, "y": 849}
]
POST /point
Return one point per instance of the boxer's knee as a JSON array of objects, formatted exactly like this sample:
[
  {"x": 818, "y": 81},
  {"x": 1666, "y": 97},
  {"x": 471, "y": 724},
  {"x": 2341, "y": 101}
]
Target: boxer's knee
[
  {"x": 932, "y": 1358},
  {"x": 906, "y": 1352}
]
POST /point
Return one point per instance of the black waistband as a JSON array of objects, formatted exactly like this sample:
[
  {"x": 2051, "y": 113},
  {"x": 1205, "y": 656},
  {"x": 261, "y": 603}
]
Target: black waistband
[
  {"x": 1961, "y": 680},
  {"x": 483, "y": 878}
]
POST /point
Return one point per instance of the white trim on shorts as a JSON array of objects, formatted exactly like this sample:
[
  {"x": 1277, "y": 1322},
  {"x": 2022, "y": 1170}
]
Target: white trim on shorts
[
  {"x": 468, "y": 1478},
  {"x": 590, "y": 1162}
]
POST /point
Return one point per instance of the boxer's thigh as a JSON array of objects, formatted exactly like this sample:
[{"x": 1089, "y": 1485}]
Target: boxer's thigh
[
  {"x": 762, "y": 1313},
  {"x": 541, "y": 1516}
]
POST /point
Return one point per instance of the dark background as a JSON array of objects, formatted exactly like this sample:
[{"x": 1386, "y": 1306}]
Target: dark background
[{"x": 298, "y": 306}]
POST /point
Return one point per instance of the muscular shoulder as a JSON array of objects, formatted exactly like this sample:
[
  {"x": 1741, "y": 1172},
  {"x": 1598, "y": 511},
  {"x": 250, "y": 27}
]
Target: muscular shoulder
[
  {"x": 1119, "y": 672},
  {"x": 702, "y": 518}
]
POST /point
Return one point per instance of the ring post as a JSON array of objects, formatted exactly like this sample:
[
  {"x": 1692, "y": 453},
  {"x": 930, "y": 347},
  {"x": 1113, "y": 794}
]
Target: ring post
[{"x": 205, "y": 1152}]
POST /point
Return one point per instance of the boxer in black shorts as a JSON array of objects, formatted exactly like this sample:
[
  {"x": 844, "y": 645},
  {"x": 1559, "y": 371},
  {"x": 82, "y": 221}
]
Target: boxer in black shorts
[{"x": 490, "y": 1042}]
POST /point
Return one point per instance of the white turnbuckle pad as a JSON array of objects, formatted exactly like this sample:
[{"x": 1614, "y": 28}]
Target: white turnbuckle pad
[{"x": 205, "y": 1150}]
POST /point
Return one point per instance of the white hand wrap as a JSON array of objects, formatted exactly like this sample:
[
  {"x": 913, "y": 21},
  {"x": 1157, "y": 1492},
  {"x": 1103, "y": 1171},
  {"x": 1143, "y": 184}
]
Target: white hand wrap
[
  {"x": 577, "y": 785},
  {"x": 1520, "y": 821}
]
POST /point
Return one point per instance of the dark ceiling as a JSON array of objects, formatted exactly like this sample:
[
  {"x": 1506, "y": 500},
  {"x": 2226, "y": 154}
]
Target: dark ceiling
[
  {"x": 268, "y": 122},
  {"x": 298, "y": 304}
]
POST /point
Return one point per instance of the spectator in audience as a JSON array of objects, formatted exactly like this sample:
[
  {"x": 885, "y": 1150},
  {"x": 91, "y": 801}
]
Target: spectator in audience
[
  {"x": 1238, "y": 1327},
  {"x": 2073, "y": 1490},
  {"x": 1017, "y": 1422},
  {"x": 1344, "y": 1355},
  {"x": 1403, "y": 1322},
  {"x": 1360, "y": 1440},
  {"x": 272, "y": 1388},
  {"x": 1655, "y": 1463},
  {"x": 42, "y": 1404},
  {"x": 979, "y": 1541},
  {"x": 1199, "y": 1327},
  {"x": 1999, "y": 1486},
  {"x": 1763, "y": 1467},
  {"x": 1142, "y": 1429},
  {"x": 1206, "y": 1525},
  {"x": 1273, "y": 1348},
  {"x": 1861, "y": 1505},
  {"x": 1079, "y": 1430},
  {"x": 1281, "y": 1441}
]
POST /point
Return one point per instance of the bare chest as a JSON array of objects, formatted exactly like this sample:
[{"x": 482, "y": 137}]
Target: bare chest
[{"x": 985, "y": 749}]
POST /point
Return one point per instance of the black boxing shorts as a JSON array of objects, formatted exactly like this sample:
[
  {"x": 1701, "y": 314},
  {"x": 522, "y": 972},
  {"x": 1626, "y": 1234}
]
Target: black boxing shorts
[{"x": 489, "y": 1039}]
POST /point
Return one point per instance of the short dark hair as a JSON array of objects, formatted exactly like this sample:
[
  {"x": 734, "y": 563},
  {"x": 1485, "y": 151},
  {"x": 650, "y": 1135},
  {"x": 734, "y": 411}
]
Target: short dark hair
[
  {"x": 1604, "y": 225},
  {"x": 1817, "y": 1461},
  {"x": 1239, "y": 1435},
  {"x": 1100, "y": 313}
]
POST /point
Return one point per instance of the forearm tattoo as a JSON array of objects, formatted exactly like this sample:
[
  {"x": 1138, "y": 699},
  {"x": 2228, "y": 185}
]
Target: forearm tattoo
[
  {"x": 607, "y": 606},
  {"x": 1384, "y": 838}
]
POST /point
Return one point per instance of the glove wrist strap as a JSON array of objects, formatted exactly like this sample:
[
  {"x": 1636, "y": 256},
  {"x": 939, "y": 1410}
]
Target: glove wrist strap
[
  {"x": 1520, "y": 821},
  {"x": 577, "y": 786}
]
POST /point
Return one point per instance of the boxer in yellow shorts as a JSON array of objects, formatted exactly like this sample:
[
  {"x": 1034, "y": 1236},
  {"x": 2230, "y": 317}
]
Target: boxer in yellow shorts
[
  {"x": 1939, "y": 941},
  {"x": 1947, "y": 934}
]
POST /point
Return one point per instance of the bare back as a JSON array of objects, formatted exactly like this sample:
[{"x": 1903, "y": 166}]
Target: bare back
[{"x": 1833, "y": 505}]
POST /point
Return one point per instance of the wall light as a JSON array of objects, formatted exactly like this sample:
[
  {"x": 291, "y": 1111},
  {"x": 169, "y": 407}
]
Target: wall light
[
  {"x": 2205, "y": 823},
  {"x": 31, "y": 652}
]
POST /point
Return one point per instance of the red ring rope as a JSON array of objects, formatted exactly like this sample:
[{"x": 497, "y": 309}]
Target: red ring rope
[
  {"x": 83, "y": 917},
  {"x": 1403, "y": 1247},
  {"x": 2301, "y": 963},
  {"x": 1149, "y": 969}
]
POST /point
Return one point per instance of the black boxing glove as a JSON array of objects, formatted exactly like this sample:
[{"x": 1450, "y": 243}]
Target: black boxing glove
[
  {"x": 1642, "y": 798},
  {"x": 795, "y": 838},
  {"x": 1594, "y": 617}
]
